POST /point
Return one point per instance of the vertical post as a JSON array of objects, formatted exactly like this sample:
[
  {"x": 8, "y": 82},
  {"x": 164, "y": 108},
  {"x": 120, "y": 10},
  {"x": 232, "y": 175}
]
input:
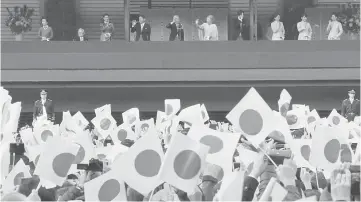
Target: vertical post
[
  {"x": 126, "y": 20},
  {"x": 78, "y": 22},
  {"x": 42, "y": 8},
  {"x": 149, "y": 4},
  {"x": 255, "y": 19},
  {"x": 251, "y": 20}
]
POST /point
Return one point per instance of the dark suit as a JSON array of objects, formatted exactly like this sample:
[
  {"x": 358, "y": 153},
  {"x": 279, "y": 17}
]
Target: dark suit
[
  {"x": 239, "y": 27},
  {"x": 77, "y": 38},
  {"x": 348, "y": 110},
  {"x": 49, "y": 107},
  {"x": 144, "y": 33},
  {"x": 175, "y": 32}
]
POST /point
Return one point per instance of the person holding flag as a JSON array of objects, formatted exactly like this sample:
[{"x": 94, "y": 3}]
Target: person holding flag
[
  {"x": 350, "y": 107},
  {"x": 44, "y": 108}
]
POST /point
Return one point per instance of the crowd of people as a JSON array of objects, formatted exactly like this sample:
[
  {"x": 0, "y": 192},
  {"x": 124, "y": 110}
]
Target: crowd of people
[
  {"x": 208, "y": 30},
  {"x": 265, "y": 166}
]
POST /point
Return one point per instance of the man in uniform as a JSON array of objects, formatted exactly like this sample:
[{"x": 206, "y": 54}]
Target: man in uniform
[
  {"x": 44, "y": 108},
  {"x": 350, "y": 107}
]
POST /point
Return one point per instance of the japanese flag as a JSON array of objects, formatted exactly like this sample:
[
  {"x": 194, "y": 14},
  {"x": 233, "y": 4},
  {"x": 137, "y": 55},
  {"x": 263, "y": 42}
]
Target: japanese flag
[
  {"x": 354, "y": 130},
  {"x": 161, "y": 118},
  {"x": 43, "y": 133},
  {"x": 172, "y": 106},
  {"x": 296, "y": 118},
  {"x": 80, "y": 120},
  {"x": 204, "y": 113},
  {"x": 33, "y": 153},
  {"x": 140, "y": 165},
  {"x": 5, "y": 112},
  {"x": 14, "y": 178},
  {"x": 332, "y": 147},
  {"x": 281, "y": 130},
  {"x": 144, "y": 127},
  {"x": 107, "y": 187},
  {"x": 86, "y": 148},
  {"x": 122, "y": 133},
  {"x": 27, "y": 136},
  {"x": 14, "y": 115},
  {"x": 183, "y": 163},
  {"x": 116, "y": 151},
  {"x": 301, "y": 149},
  {"x": 4, "y": 160},
  {"x": 56, "y": 159},
  {"x": 247, "y": 157},
  {"x": 232, "y": 187},
  {"x": 131, "y": 116},
  {"x": 68, "y": 126},
  {"x": 252, "y": 117},
  {"x": 106, "y": 109},
  {"x": 284, "y": 102},
  {"x": 221, "y": 145},
  {"x": 104, "y": 124},
  {"x": 191, "y": 115},
  {"x": 312, "y": 119},
  {"x": 335, "y": 119}
]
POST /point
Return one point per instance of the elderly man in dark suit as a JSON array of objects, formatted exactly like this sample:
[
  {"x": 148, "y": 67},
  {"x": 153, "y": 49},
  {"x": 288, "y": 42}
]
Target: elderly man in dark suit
[
  {"x": 176, "y": 29},
  {"x": 142, "y": 29},
  {"x": 44, "y": 108},
  {"x": 351, "y": 106}
]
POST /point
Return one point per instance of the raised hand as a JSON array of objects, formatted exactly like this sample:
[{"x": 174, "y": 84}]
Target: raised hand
[
  {"x": 341, "y": 184},
  {"x": 306, "y": 178}
]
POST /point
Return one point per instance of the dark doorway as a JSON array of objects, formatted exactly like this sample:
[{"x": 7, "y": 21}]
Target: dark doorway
[{"x": 61, "y": 15}]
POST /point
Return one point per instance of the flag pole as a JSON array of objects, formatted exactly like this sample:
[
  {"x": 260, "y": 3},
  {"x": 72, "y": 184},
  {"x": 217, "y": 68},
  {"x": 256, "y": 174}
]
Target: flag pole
[
  {"x": 151, "y": 195},
  {"x": 318, "y": 186},
  {"x": 269, "y": 157}
]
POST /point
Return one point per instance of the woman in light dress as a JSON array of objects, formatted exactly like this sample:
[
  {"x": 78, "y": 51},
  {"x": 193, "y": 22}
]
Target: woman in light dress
[
  {"x": 334, "y": 28},
  {"x": 304, "y": 29},
  {"x": 210, "y": 30},
  {"x": 106, "y": 28},
  {"x": 277, "y": 29}
]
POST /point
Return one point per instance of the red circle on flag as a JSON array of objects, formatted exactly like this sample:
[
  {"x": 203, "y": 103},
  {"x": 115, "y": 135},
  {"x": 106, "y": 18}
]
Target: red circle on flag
[
  {"x": 311, "y": 119},
  {"x": 144, "y": 127},
  {"x": 291, "y": 119},
  {"x": 187, "y": 164},
  {"x": 336, "y": 120},
  {"x": 331, "y": 150},
  {"x": 36, "y": 160},
  {"x": 203, "y": 115},
  {"x": 251, "y": 122},
  {"x": 80, "y": 155},
  {"x": 45, "y": 134},
  {"x": 105, "y": 124},
  {"x": 168, "y": 109},
  {"x": 109, "y": 190},
  {"x": 122, "y": 135},
  {"x": 306, "y": 151},
  {"x": 17, "y": 178},
  {"x": 61, "y": 164},
  {"x": 147, "y": 163},
  {"x": 213, "y": 142},
  {"x": 284, "y": 109}
]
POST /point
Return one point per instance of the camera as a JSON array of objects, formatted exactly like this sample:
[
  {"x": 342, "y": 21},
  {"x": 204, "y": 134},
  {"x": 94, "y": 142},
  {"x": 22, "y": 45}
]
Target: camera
[
  {"x": 279, "y": 155},
  {"x": 94, "y": 165}
]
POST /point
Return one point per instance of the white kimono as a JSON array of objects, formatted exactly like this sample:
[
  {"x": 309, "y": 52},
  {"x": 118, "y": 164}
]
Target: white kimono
[
  {"x": 335, "y": 30},
  {"x": 305, "y": 30},
  {"x": 278, "y": 31}
]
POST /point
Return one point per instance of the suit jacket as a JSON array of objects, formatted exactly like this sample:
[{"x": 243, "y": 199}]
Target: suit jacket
[
  {"x": 77, "y": 38},
  {"x": 174, "y": 32},
  {"x": 145, "y": 33},
  {"x": 349, "y": 110},
  {"x": 49, "y": 107},
  {"x": 239, "y": 27}
]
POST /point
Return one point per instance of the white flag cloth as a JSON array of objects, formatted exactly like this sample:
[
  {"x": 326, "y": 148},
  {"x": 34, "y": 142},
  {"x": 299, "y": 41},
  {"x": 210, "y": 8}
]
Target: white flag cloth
[
  {"x": 104, "y": 124},
  {"x": 106, "y": 109},
  {"x": 107, "y": 187},
  {"x": 4, "y": 160},
  {"x": 183, "y": 163},
  {"x": 5, "y": 113},
  {"x": 296, "y": 118},
  {"x": 172, "y": 106},
  {"x": 191, "y": 115},
  {"x": 312, "y": 119},
  {"x": 14, "y": 115},
  {"x": 121, "y": 133},
  {"x": 354, "y": 130},
  {"x": 161, "y": 118},
  {"x": 284, "y": 102},
  {"x": 68, "y": 126},
  {"x": 33, "y": 153},
  {"x": 232, "y": 187},
  {"x": 335, "y": 119},
  {"x": 14, "y": 178},
  {"x": 301, "y": 149},
  {"x": 139, "y": 166},
  {"x": 222, "y": 145},
  {"x": 281, "y": 130},
  {"x": 56, "y": 159},
  {"x": 204, "y": 113},
  {"x": 116, "y": 151},
  {"x": 44, "y": 133},
  {"x": 27, "y": 136},
  {"x": 86, "y": 148},
  {"x": 80, "y": 120},
  {"x": 131, "y": 116},
  {"x": 247, "y": 157},
  {"x": 144, "y": 127},
  {"x": 253, "y": 117},
  {"x": 332, "y": 148}
]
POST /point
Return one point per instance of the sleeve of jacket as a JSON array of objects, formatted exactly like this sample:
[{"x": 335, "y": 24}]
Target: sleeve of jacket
[
  {"x": 35, "y": 109},
  {"x": 71, "y": 194},
  {"x": 312, "y": 192},
  {"x": 52, "y": 110},
  {"x": 169, "y": 25},
  {"x": 343, "y": 108},
  {"x": 265, "y": 178},
  {"x": 293, "y": 193},
  {"x": 249, "y": 188},
  {"x": 133, "y": 28}
]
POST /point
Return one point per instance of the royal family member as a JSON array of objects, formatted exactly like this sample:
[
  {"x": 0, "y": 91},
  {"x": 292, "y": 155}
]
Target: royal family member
[
  {"x": 277, "y": 29},
  {"x": 351, "y": 106},
  {"x": 176, "y": 29},
  {"x": 106, "y": 28},
  {"x": 304, "y": 28},
  {"x": 334, "y": 28},
  {"x": 210, "y": 30},
  {"x": 142, "y": 29},
  {"x": 45, "y": 32},
  {"x": 44, "y": 108}
]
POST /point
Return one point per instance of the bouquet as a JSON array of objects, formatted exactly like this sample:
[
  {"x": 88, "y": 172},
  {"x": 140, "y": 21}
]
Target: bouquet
[
  {"x": 350, "y": 19},
  {"x": 19, "y": 19}
]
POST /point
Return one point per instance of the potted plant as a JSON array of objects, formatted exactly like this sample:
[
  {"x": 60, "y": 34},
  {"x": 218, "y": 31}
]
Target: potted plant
[{"x": 19, "y": 21}]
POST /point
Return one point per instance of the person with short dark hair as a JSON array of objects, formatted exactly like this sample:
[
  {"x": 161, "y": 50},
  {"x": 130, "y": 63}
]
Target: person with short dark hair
[
  {"x": 304, "y": 28},
  {"x": 334, "y": 28},
  {"x": 277, "y": 28},
  {"x": 239, "y": 26},
  {"x": 142, "y": 29},
  {"x": 44, "y": 108},
  {"x": 106, "y": 28},
  {"x": 350, "y": 107},
  {"x": 45, "y": 32}
]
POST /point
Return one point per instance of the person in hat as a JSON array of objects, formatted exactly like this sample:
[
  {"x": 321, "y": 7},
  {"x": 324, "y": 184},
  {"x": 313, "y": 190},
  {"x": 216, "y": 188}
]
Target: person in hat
[
  {"x": 44, "y": 108},
  {"x": 350, "y": 107}
]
